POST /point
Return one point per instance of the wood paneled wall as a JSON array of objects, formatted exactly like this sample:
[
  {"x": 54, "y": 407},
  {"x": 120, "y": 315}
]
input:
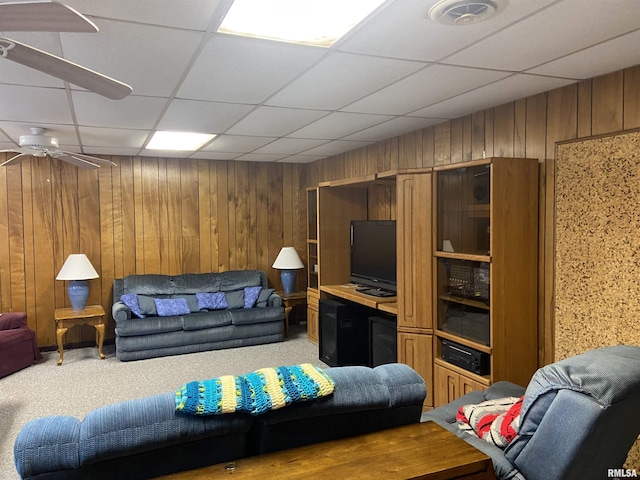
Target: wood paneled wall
[
  {"x": 528, "y": 127},
  {"x": 175, "y": 215},
  {"x": 148, "y": 215}
]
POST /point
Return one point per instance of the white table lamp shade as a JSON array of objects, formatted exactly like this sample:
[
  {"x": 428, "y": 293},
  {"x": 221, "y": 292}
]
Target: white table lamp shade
[
  {"x": 77, "y": 267},
  {"x": 288, "y": 259}
]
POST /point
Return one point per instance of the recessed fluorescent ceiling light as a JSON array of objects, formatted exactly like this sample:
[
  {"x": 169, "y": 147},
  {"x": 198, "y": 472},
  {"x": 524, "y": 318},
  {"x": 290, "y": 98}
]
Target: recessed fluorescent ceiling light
[
  {"x": 311, "y": 22},
  {"x": 178, "y": 141}
]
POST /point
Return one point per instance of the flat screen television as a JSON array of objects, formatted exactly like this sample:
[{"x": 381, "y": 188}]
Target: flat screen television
[{"x": 373, "y": 256}]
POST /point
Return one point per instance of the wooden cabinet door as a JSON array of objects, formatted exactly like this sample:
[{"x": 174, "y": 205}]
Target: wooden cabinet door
[
  {"x": 446, "y": 384},
  {"x": 312, "y": 316},
  {"x": 416, "y": 350},
  {"x": 451, "y": 385},
  {"x": 414, "y": 250}
]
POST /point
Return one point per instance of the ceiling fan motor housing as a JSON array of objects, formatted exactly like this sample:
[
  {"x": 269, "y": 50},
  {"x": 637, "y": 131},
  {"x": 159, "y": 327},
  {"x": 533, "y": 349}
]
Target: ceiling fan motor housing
[{"x": 37, "y": 141}]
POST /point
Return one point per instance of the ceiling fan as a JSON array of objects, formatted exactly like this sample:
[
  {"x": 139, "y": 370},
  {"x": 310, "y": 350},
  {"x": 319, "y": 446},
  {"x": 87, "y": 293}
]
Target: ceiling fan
[
  {"x": 39, "y": 145},
  {"x": 52, "y": 16}
]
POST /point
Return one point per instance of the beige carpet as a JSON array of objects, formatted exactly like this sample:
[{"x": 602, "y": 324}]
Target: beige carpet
[{"x": 84, "y": 382}]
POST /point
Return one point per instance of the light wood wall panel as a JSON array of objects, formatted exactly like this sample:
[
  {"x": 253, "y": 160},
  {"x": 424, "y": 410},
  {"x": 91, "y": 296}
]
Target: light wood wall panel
[{"x": 148, "y": 215}]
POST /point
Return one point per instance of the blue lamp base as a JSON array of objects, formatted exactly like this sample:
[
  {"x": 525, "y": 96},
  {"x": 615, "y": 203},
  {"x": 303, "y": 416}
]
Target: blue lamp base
[
  {"x": 288, "y": 278},
  {"x": 78, "y": 293}
]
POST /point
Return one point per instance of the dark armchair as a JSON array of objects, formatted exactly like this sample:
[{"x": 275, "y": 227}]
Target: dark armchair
[
  {"x": 579, "y": 419},
  {"x": 18, "y": 346}
]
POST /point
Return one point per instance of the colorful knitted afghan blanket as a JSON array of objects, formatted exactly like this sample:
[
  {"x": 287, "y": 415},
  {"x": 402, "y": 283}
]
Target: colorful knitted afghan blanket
[
  {"x": 254, "y": 393},
  {"x": 496, "y": 421}
]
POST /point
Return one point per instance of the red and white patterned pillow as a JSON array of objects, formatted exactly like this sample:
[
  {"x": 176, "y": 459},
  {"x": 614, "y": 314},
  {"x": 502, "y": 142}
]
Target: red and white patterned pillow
[{"x": 496, "y": 421}]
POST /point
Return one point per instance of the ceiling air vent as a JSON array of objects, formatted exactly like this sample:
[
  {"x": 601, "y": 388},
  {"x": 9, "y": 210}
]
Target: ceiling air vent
[{"x": 465, "y": 12}]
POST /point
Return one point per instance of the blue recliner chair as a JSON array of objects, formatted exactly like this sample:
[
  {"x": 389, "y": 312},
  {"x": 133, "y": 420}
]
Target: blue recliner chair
[{"x": 580, "y": 417}]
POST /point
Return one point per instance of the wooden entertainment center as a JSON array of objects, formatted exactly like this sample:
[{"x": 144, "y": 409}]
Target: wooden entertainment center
[{"x": 466, "y": 266}]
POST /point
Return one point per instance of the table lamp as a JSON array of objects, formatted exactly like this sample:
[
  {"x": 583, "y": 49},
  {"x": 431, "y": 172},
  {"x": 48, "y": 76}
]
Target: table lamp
[
  {"x": 288, "y": 262},
  {"x": 78, "y": 269}
]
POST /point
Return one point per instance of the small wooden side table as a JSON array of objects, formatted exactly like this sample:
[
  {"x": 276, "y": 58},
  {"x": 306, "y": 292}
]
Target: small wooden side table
[
  {"x": 290, "y": 301},
  {"x": 68, "y": 317}
]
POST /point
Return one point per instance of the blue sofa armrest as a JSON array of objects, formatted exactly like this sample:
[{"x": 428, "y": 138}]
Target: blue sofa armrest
[
  {"x": 48, "y": 444},
  {"x": 274, "y": 300},
  {"x": 120, "y": 312}
]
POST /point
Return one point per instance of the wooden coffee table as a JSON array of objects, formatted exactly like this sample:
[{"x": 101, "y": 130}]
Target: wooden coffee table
[
  {"x": 68, "y": 317},
  {"x": 417, "y": 451}
]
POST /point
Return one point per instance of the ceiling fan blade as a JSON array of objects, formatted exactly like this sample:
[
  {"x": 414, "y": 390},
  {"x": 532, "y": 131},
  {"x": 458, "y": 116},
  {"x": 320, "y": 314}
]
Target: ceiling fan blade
[
  {"x": 88, "y": 158},
  {"x": 78, "y": 162},
  {"x": 42, "y": 16},
  {"x": 63, "y": 69},
  {"x": 17, "y": 159}
]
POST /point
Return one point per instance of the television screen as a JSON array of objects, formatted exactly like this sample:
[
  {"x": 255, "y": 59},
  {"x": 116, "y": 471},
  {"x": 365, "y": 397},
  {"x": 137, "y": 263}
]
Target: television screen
[{"x": 373, "y": 255}]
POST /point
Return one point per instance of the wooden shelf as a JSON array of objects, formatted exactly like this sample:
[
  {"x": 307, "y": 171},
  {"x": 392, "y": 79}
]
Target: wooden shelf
[
  {"x": 465, "y": 301},
  {"x": 464, "y": 341},
  {"x": 348, "y": 292},
  {"x": 463, "y": 256}
]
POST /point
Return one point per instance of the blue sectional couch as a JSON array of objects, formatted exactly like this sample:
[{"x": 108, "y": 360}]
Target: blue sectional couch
[
  {"x": 160, "y": 315},
  {"x": 144, "y": 438}
]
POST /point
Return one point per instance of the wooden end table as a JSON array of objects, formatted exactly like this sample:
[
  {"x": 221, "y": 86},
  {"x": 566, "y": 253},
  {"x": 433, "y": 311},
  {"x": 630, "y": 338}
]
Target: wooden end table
[
  {"x": 68, "y": 317},
  {"x": 416, "y": 451},
  {"x": 291, "y": 300}
]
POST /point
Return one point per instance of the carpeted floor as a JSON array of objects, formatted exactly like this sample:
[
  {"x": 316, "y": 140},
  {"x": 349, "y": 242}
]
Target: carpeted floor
[{"x": 84, "y": 382}]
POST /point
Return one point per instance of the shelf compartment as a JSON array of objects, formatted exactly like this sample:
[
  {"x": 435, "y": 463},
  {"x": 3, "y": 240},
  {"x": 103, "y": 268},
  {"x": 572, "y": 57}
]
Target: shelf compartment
[{"x": 463, "y": 341}]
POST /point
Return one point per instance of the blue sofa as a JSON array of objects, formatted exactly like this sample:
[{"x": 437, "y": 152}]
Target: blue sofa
[
  {"x": 232, "y": 322},
  {"x": 579, "y": 417},
  {"x": 144, "y": 438}
]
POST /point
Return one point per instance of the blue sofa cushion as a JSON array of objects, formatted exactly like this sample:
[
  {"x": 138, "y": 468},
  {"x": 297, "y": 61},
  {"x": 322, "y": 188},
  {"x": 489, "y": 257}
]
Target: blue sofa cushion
[
  {"x": 251, "y": 295},
  {"x": 235, "y": 299},
  {"x": 131, "y": 301},
  {"x": 46, "y": 445},
  {"x": 149, "y": 326},
  {"x": 263, "y": 298},
  {"x": 202, "y": 320},
  {"x": 145, "y": 424},
  {"x": 169, "y": 307},
  {"x": 212, "y": 301},
  {"x": 256, "y": 315}
]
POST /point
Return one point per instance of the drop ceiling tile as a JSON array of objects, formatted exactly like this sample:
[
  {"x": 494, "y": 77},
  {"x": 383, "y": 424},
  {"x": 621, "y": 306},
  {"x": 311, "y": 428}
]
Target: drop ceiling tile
[
  {"x": 245, "y": 70},
  {"x": 611, "y": 56},
  {"x": 125, "y": 152},
  {"x": 133, "y": 111},
  {"x": 203, "y": 117},
  {"x": 504, "y": 91},
  {"x": 429, "y": 86},
  {"x": 104, "y": 137},
  {"x": 260, "y": 157},
  {"x": 339, "y": 124},
  {"x": 339, "y": 79},
  {"x": 301, "y": 159},
  {"x": 274, "y": 121},
  {"x": 236, "y": 143},
  {"x": 193, "y": 15},
  {"x": 535, "y": 35},
  {"x": 130, "y": 53},
  {"x": 204, "y": 155},
  {"x": 289, "y": 146},
  {"x": 24, "y": 104},
  {"x": 336, "y": 147},
  {"x": 404, "y": 30},
  {"x": 393, "y": 128}
]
